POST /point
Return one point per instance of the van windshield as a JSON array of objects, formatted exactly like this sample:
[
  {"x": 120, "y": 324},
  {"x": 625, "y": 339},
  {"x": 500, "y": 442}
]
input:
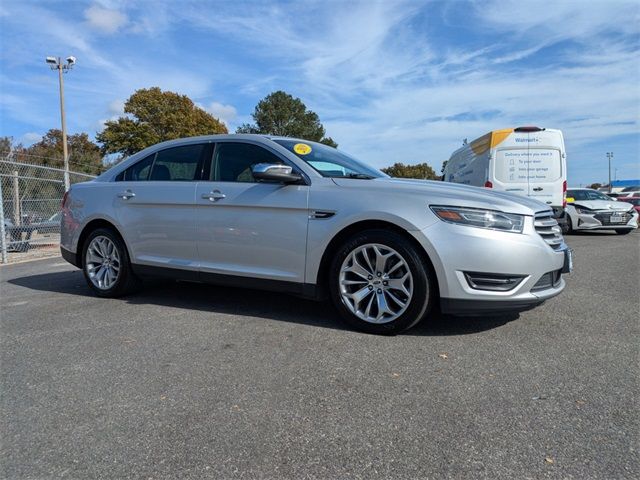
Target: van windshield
[{"x": 528, "y": 165}]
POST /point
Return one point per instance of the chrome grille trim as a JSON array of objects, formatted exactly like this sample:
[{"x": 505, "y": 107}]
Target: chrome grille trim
[{"x": 547, "y": 227}]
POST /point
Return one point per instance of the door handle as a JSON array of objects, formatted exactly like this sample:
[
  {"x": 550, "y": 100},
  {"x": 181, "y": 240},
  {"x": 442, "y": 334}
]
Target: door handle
[
  {"x": 537, "y": 189},
  {"x": 126, "y": 195},
  {"x": 213, "y": 196}
]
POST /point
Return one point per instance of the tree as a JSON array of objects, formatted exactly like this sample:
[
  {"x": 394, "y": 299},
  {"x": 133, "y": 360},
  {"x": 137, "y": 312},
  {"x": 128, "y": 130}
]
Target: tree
[
  {"x": 84, "y": 155},
  {"x": 6, "y": 144},
  {"x": 281, "y": 114},
  {"x": 155, "y": 116},
  {"x": 421, "y": 171},
  {"x": 444, "y": 165},
  {"x": 595, "y": 186}
]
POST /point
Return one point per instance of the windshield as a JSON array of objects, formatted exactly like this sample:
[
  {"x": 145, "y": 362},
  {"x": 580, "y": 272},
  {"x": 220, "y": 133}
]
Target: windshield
[
  {"x": 585, "y": 195},
  {"x": 328, "y": 161}
]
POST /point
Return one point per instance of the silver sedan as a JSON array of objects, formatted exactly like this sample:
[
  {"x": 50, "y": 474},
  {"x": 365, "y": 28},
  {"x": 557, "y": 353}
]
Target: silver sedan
[{"x": 301, "y": 217}]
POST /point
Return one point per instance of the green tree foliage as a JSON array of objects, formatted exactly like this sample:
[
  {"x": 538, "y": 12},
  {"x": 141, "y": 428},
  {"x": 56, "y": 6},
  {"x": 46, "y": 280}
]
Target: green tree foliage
[
  {"x": 155, "y": 116},
  {"x": 281, "y": 114},
  {"x": 420, "y": 171},
  {"x": 6, "y": 143},
  {"x": 595, "y": 186},
  {"x": 40, "y": 189},
  {"x": 84, "y": 155},
  {"x": 444, "y": 165}
]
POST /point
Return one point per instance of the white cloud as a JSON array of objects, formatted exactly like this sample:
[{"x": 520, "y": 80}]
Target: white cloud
[
  {"x": 225, "y": 113},
  {"x": 105, "y": 20},
  {"x": 30, "y": 138},
  {"x": 116, "y": 107}
]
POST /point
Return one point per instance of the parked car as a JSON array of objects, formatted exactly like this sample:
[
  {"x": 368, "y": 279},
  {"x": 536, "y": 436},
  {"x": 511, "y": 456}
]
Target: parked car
[
  {"x": 592, "y": 210},
  {"x": 51, "y": 225},
  {"x": 301, "y": 217},
  {"x": 17, "y": 237},
  {"x": 632, "y": 191},
  {"x": 635, "y": 201}
]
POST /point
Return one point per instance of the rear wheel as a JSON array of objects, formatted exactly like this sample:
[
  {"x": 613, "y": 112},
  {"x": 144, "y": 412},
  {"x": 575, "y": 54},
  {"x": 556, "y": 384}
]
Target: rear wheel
[
  {"x": 106, "y": 266},
  {"x": 569, "y": 227},
  {"x": 624, "y": 232},
  {"x": 379, "y": 283}
]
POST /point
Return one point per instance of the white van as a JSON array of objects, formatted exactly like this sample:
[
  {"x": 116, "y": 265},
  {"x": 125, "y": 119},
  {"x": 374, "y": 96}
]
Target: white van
[{"x": 529, "y": 161}]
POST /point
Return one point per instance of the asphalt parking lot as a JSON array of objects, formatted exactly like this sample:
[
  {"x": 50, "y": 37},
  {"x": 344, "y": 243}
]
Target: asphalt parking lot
[{"x": 191, "y": 381}]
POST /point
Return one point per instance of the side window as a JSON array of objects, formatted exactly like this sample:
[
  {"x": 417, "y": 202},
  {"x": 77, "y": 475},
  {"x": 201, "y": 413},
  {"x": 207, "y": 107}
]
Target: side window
[
  {"x": 232, "y": 162},
  {"x": 178, "y": 164},
  {"x": 138, "y": 171}
]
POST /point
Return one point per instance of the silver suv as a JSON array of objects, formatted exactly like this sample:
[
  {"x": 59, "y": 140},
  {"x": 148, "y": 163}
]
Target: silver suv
[{"x": 301, "y": 217}]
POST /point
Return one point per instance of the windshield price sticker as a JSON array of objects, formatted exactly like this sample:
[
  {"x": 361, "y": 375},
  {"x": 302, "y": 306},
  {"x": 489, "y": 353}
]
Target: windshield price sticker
[{"x": 302, "y": 149}]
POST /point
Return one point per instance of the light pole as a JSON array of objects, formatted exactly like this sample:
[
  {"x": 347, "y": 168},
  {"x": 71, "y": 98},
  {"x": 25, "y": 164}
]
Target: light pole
[
  {"x": 609, "y": 157},
  {"x": 56, "y": 64}
]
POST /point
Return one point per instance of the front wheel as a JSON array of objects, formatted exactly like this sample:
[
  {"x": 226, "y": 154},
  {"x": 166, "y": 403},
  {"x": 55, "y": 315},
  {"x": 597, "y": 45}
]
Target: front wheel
[
  {"x": 105, "y": 263},
  {"x": 380, "y": 283},
  {"x": 624, "y": 232},
  {"x": 569, "y": 227}
]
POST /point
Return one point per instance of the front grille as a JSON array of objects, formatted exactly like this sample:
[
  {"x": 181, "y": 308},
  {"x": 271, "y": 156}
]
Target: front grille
[
  {"x": 548, "y": 228},
  {"x": 605, "y": 218},
  {"x": 548, "y": 280}
]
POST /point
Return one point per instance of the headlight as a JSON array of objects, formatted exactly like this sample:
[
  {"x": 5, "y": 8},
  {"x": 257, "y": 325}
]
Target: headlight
[
  {"x": 476, "y": 217},
  {"x": 583, "y": 211}
]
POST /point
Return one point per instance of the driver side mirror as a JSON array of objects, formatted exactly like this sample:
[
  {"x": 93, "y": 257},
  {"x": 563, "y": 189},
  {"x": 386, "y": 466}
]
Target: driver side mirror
[{"x": 273, "y": 172}]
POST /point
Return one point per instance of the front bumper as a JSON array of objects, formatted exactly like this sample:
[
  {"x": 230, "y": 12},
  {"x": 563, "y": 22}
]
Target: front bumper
[
  {"x": 456, "y": 249},
  {"x": 600, "y": 220}
]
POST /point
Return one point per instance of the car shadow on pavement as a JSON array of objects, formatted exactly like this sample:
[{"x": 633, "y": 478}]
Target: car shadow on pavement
[{"x": 248, "y": 302}]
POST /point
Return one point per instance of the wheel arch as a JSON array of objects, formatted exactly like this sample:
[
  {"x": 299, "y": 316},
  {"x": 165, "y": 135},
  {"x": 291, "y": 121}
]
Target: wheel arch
[
  {"x": 86, "y": 231},
  {"x": 350, "y": 230}
]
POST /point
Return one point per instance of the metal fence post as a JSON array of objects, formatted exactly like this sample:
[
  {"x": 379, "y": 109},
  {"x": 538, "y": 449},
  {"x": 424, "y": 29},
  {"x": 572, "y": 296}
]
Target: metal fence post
[
  {"x": 16, "y": 200},
  {"x": 3, "y": 237}
]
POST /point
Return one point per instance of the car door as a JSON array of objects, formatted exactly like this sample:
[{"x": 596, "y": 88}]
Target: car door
[
  {"x": 155, "y": 206},
  {"x": 248, "y": 228}
]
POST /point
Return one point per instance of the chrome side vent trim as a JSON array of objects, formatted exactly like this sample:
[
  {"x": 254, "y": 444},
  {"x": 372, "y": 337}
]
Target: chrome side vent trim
[
  {"x": 321, "y": 214},
  {"x": 548, "y": 228},
  {"x": 496, "y": 282}
]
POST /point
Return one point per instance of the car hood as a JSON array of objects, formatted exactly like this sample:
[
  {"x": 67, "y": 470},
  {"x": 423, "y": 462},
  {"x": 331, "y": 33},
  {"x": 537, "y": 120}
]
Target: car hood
[
  {"x": 445, "y": 193},
  {"x": 612, "y": 206}
]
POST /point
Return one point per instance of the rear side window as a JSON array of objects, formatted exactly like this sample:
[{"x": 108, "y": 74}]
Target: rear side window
[
  {"x": 138, "y": 171},
  {"x": 178, "y": 164},
  {"x": 232, "y": 162}
]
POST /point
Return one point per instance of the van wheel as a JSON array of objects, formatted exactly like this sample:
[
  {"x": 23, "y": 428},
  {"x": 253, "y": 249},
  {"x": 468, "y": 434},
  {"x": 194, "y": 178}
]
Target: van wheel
[
  {"x": 379, "y": 283},
  {"x": 106, "y": 266}
]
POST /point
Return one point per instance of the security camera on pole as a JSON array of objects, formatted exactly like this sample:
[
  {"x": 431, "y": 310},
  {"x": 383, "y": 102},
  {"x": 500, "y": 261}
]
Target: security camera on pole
[
  {"x": 610, "y": 156},
  {"x": 56, "y": 64}
]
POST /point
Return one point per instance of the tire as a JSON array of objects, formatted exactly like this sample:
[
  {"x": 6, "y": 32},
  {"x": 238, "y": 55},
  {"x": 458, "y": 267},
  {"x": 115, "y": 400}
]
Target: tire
[
  {"x": 624, "y": 232},
  {"x": 388, "y": 303},
  {"x": 105, "y": 243},
  {"x": 569, "y": 229}
]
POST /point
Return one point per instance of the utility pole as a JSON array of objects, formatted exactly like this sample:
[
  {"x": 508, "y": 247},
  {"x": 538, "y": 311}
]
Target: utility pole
[
  {"x": 56, "y": 64},
  {"x": 609, "y": 157}
]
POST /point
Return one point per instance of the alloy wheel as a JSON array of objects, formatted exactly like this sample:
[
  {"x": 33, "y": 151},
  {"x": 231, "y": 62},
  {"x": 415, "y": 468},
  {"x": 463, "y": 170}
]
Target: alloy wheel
[
  {"x": 102, "y": 262},
  {"x": 376, "y": 284}
]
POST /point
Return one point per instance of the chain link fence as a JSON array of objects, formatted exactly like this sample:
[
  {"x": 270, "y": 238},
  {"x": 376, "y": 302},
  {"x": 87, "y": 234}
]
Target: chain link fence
[{"x": 30, "y": 213}]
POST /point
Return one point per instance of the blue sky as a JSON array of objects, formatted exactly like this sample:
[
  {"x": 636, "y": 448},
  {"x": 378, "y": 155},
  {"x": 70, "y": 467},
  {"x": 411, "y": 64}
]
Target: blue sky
[{"x": 392, "y": 81}]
